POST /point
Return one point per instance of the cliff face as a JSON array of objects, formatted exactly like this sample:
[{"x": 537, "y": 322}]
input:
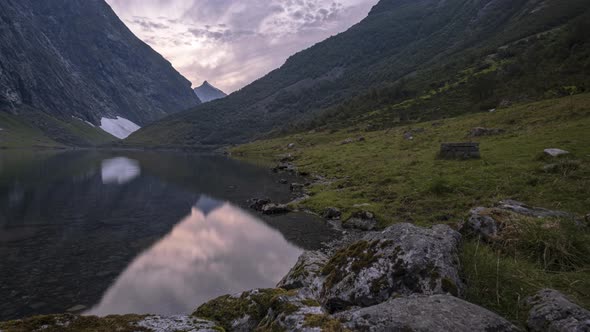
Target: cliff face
[{"x": 76, "y": 58}]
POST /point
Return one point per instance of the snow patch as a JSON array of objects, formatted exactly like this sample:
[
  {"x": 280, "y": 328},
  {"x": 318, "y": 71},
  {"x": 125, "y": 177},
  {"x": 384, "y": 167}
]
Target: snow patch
[
  {"x": 119, "y": 127},
  {"x": 119, "y": 170}
]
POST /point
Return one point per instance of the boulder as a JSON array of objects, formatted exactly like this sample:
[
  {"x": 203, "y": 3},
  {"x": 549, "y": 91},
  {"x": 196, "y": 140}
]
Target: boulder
[
  {"x": 273, "y": 208},
  {"x": 306, "y": 273},
  {"x": 481, "y": 131},
  {"x": 361, "y": 139},
  {"x": 552, "y": 311},
  {"x": 424, "y": 314},
  {"x": 487, "y": 223},
  {"x": 291, "y": 146},
  {"x": 555, "y": 152},
  {"x": 285, "y": 158},
  {"x": 363, "y": 220},
  {"x": 401, "y": 260},
  {"x": 332, "y": 213},
  {"x": 408, "y": 135}
]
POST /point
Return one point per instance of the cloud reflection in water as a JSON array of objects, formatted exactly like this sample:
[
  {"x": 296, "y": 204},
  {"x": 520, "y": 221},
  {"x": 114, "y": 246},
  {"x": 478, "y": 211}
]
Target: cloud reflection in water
[
  {"x": 119, "y": 170},
  {"x": 204, "y": 256}
]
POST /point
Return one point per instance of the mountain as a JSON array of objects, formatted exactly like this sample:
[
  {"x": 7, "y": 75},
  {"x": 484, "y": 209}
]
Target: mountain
[
  {"x": 406, "y": 61},
  {"x": 76, "y": 63},
  {"x": 207, "y": 92}
]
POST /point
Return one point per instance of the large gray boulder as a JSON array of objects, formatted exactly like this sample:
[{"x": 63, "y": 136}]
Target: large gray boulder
[
  {"x": 552, "y": 311},
  {"x": 401, "y": 260},
  {"x": 425, "y": 313},
  {"x": 306, "y": 274},
  {"x": 363, "y": 220}
]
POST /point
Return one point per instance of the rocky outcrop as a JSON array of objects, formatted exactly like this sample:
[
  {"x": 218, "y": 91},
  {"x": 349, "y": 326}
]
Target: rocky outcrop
[
  {"x": 332, "y": 213},
  {"x": 403, "y": 259},
  {"x": 76, "y": 58},
  {"x": 266, "y": 310},
  {"x": 424, "y": 314},
  {"x": 307, "y": 273},
  {"x": 552, "y": 311}
]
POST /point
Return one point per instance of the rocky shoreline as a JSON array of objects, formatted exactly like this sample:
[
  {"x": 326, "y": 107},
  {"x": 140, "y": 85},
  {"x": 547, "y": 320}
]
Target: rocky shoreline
[{"x": 401, "y": 278}]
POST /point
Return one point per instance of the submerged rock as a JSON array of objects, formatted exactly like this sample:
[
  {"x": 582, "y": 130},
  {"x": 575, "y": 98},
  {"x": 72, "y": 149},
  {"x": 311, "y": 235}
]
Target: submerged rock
[
  {"x": 552, "y": 311},
  {"x": 403, "y": 259},
  {"x": 273, "y": 208},
  {"x": 258, "y": 203},
  {"x": 425, "y": 313},
  {"x": 364, "y": 221}
]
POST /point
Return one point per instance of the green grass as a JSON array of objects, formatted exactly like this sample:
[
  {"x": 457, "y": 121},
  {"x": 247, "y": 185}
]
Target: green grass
[
  {"x": 16, "y": 133},
  {"x": 39, "y": 130},
  {"x": 402, "y": 180}
]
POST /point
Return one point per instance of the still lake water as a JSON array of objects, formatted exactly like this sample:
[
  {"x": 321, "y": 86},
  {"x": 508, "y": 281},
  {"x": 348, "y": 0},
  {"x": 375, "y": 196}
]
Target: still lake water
[{"x": 139, "y": 232}]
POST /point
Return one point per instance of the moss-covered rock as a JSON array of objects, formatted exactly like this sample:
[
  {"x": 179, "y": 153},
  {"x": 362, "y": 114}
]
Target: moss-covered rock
[{"x": 401, "y": 260}]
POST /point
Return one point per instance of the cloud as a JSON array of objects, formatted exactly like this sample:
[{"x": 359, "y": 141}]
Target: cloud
[{"x": 231, "y": 43}]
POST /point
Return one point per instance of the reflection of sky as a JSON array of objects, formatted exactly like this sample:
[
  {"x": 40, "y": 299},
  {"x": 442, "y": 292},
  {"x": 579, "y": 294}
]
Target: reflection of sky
[
  {"x": 119, "y": 170},
  {"x": 203, "y": 257}
]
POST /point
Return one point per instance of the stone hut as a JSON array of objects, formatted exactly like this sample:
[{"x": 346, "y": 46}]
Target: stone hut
[{"x": 467, "y": 150}]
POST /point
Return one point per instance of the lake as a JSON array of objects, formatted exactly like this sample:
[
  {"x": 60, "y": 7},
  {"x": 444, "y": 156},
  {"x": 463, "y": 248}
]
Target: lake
[{"x": 139, "y": 232}]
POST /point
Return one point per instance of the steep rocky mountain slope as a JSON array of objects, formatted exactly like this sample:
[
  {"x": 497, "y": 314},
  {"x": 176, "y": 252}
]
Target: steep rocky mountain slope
[
  {"x": 207, "y": 92},
  {"x": 403, "y": 50},
  {"x": 75, "y": 58}
]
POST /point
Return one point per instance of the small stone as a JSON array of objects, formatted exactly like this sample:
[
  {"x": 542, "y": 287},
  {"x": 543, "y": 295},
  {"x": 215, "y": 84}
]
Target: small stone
[
  {"x": 361, "y": 139},
  {"x": 555, "y": 152},
  {"x": 363, "y": 220},
  {"x": 332, "y": 213},
  {"x": 275, "y": 209},
  {"x": 77, "y": 308},
  {"x": 480, "y": 131},
  {"x": 291, "y": 146},
  {"x": 347, "y": 141},
  {"x": 283, "y": 181},
  {"x": 258, "y": 203}
]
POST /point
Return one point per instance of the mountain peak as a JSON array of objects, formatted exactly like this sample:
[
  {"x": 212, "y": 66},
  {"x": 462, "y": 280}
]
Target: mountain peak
[{"x": 207, "y": 92}]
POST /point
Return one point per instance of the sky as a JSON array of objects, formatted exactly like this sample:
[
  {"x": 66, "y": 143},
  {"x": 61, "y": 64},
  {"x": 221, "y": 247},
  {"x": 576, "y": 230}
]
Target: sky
[{"x": 231, "y": 43}]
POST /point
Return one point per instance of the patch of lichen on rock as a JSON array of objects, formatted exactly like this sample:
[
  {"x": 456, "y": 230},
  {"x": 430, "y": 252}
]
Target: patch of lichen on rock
[
  {"x": 354, "y": 258},
  {"x": 74, "y": 323},
  {"x": 325, "y": 322},
  {"x": 226, "y": 309}
]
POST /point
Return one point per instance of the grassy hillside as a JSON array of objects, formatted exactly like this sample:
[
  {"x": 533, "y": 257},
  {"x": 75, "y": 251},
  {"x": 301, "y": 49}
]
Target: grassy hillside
[
  {"x": 407, "y": 61},
  {"x": 402, "y": 180},
  {"x": 39, "y": 130}
]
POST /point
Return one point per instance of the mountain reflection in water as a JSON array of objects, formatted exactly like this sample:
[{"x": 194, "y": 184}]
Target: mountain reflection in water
[{"x": 217, "y": 249}]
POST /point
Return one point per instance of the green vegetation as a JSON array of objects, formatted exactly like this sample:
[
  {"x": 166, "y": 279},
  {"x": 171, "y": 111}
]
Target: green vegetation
[
  {"x": 406, "y": 62},
  {"x": 325, "y": 323},
  {"x": 226, "y": 309},
  {"x": 401, "y": 180},
  {"x": 71, "y": 323},
  {"x": 39, "y": 130}
]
